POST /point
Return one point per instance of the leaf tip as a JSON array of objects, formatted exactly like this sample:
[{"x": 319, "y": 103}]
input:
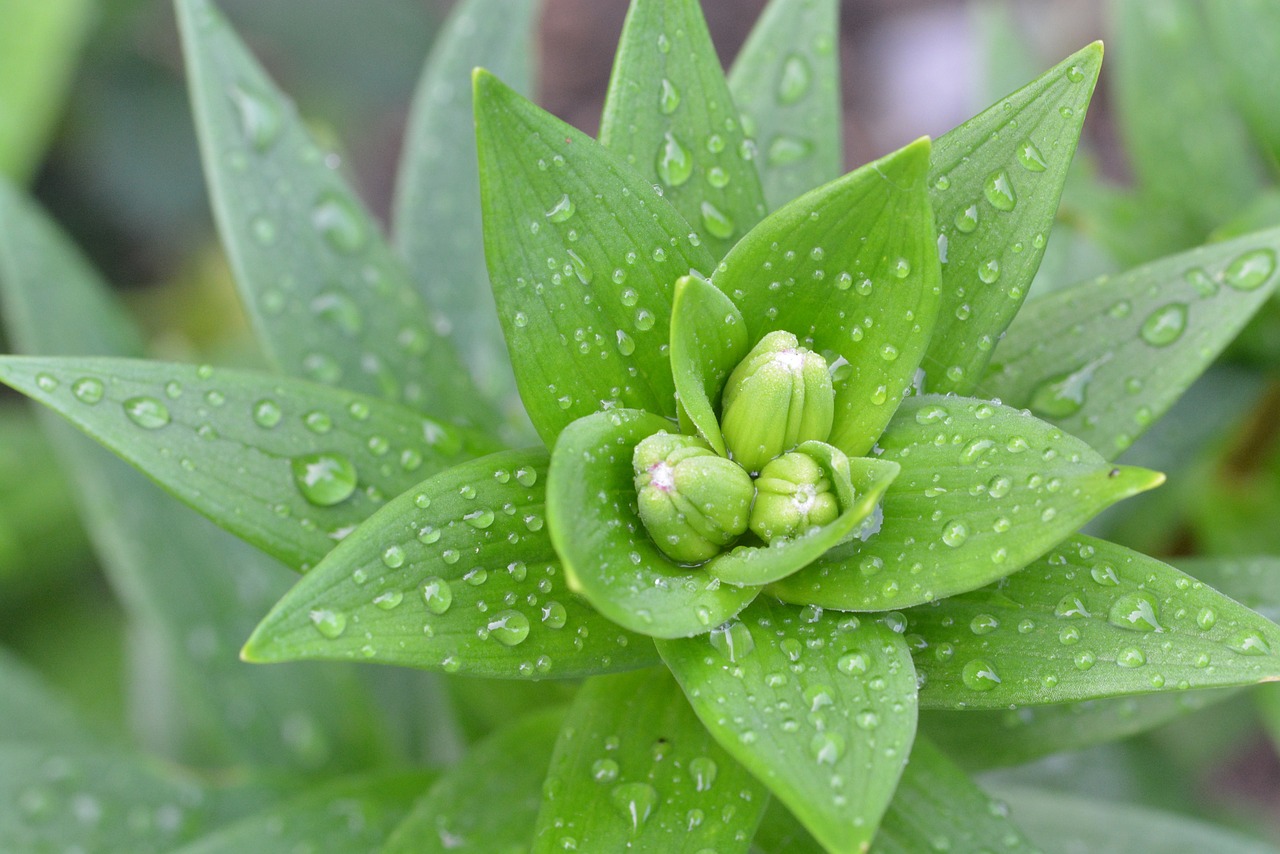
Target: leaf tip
[{"x": 1131, "y": 480}]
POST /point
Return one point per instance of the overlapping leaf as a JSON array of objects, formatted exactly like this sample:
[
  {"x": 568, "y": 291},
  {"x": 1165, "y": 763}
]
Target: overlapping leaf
[
  {"x": 458, "y": 574},
  {"x": 327, "y": 297},
  {"x": 820, "y": 706},
  {"x": 994, "y": 183},
  {"x": 984, "y": 490},
  {"x": 708, "y": 340},
  {"x": 287, "y": 465},
  {"x": 1105, "y": 359},
  {"x": 1088, "y": 621},
  {"x": 583, "y": 256},
  {"x": 851, "y": 270},
  {"x": 633, "y": 769}
]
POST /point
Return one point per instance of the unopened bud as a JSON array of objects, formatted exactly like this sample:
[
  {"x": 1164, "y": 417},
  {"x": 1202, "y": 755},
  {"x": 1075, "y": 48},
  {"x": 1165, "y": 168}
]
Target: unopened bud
[{"x": 793, "y": 494}]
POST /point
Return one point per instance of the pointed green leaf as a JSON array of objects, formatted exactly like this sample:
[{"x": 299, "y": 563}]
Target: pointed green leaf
[
  {"x": 995, "y": 182},
  {"x": 457, "y": 574},
  {"x": 183, "y": 582},
  {"x": 349, "y": 814},
  {"x": 821, "y": 707},
  {"x": 327, "y": 297},
  {"x": 289, "y": 466},
  {"x": 437, "y": 199},
  {"x": 1246, "y": 38},
  {"x": 786, "y": 82},
  {"x": 984, "y": 490},
  {"x": 1187, "y": 146},
  {"x": 583, "y": 256},
  {"x": 1061, "y": 824},
  {"x": 607, "y": 553},
  {"x": 708, "y": 340},
  {"x": 487, "y": 802},
  {"x": 1014, "y": 736},
  {"x": 1083, "y": 358},
  {"x": 670, "y": 116},
  {"x": 1252, "y": 581},
  {"x": 938, "y": 807},
  {"x": 861, "y": 477},
  {"x": 850, "y": 269},
  {"x": 1089, "y": 620},
  {"x": 633, "y": 769}
]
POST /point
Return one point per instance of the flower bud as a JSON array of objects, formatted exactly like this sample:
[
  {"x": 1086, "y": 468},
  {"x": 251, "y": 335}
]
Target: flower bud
[
  {"x": 779, "y": 396},
  {"x": 692, "y": 501},
  {"x": 793, "y": 494}
]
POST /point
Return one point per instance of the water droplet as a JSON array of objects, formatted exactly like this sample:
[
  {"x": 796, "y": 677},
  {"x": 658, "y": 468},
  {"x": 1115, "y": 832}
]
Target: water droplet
[
  {"x": 318, "y": 422},
  {"x": 1105, "y": 574},
  {"x": 999, "y": 191},
  {"x": 989, "y": 271},
  {"x": 1249, "y": 271},
  {"x": 668, "y": 97},
  {"x": 1131, "y": 657},
  {"x": 1063, "y": 395},
  {"x": 147, "y": 412},
  {"x": 340, "y": 311},
  {"x": 979, "y": 675},
  {"x": 1165, "y": 325},
  {"x": 509, "y": 628},
  {"x": 795, "y": 79},
  {"x": 393, "y": 557},
  {"x": 1249, "y": 643},
  {"x": 1075, "y": 74},
  {"x": 338, "y": 221},
  {"x": 1071, "y": 607},
  {"x": 604, "y": 770},
  {"x": 954, "y": 533},
  {"x": 562, "y": 210},
  {"x": 853, "y": 662},
  {"x": 259, "y": 118},
  {"x": 437, "y": 594},
  {"x": 784, "y": 150},
  {"x": 324, "y": 478},
  {"x": 901, "y": 268},
  {"x": 626, "y": 344},
  {"x": 46, "y": 382},
  {"x": 1030, "y": 157},
  {"x": 967, "y": 220},
  {"x": 733, "y": 640},
  {"x": 88, "y": 390},
  {"x": 1207, "y": 618},
  {"x": 717, "y": 177},
  {"x": 388, "y": 599},
  {"x": 266, "y": 413},
  {"x": 703, "y": 770},
  {"x": 636, "y": 802},
  {"x": 329, "y": 623},
  {"x": 827, "y": 747},
  {"x": 554, "y": 615},
  {"x": 716, "y": 222},
  {"x": 580, "y": 268},
  {"x": 675, "y": 163},
  {"x": 983, "y": 624}
]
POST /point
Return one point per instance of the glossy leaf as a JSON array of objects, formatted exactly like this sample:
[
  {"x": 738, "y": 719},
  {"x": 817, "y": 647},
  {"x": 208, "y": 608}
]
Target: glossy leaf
[
  {"x": 850, "y": 269},
  {"x": 1014, "y": 736},
  {"x": 937, "y": 807},
  {"x": 670, "y": 116},
  {"x": 457, "y": 574},
  {"x": 327, "y": 297},
  {"x": 437, "y": 199},
  {"x": 1088, "y": 621},
  {"x": 1190, "y": 154},
  {"x": 1086, "y": 358},
  {"x": 984, "y": 490},
  {"x": 994, "y": 183},
  {"x": 785, "y": 81},
  {"x": 349, "y": 814},
  {"x": 607, "y": 553},
  {"x": 633, "y": 769},
  {"x": 864, "y": 478},
  {"x": 489, "y": 801},
  {"x": 183, "y": 582},
  {"x": 708, "y": 340},
  {"x": 1062, "y": 824},
  {"x": 290, "y": 466},
  {"x": 820, "y": 706},
  {"x": 583, "y": 256},
  {"x": 1246, "y": 38}
]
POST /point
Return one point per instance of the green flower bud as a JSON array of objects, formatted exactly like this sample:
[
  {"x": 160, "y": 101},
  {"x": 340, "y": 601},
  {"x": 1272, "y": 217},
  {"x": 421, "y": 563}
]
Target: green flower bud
[
  {"x": 793, "y": 494},
  {"x": 692, "y": 501},
  {"x": 777, "y": 397}
]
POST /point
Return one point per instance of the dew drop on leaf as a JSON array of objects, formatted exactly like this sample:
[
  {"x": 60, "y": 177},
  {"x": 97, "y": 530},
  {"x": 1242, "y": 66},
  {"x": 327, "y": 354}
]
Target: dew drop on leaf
[
  {"x": 668, "y": 97},
  {"x": 338, "y": 222},
  {"x": 999, "y": 191},
  {"x": 1249, "y": 271},
  {"x": 1030, "y": 157},
  {"x": 147, "y": 412},
  {"x": 979, "y": 675},
  {"x": 1249, "y": 643},
  {"x": 329, "y": 623},
  {"x": 266, "y": 413},
  {"x": 1165, "y": 325},
  {"x": 562, "y": 210},
  {"x": 733, "y": 640},
  {"x": 509, "y": 627},
  {"x": 260, "y": 120},
  {"x": 716, "y": 222},
  {"x": 324, "y": 478},
  {"x": 635, "y": 801},
  {"x": 675, "y": 163},
  {"x": 437, "y": 594},
  {"x": 703, "y": 770},
  {"x": 794, "y": 80},
  {"x": 87, "y": 390},
  {"x": 784, "y": 150}
]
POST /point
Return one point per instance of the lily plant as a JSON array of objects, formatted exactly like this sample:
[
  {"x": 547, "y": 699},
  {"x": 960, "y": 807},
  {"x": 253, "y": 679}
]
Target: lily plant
[{"x": 804, "y": 467}]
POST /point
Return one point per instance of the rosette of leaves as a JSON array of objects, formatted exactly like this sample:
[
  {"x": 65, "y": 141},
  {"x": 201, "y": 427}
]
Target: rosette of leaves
[{"x": 631, "y": 275}]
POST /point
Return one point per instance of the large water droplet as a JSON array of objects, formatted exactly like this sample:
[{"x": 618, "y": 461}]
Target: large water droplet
[
  {"x": 259, "y": 118},
  {"x": 999, "y": 191},
  {"x": 954, "y": 533},
  {"x": 827, "y": 747},
  {"x": 329, "y": 623},
  {"x": 147, "y": 412},
  {"x": 509, "y": 628},
  {"x": 339, "y": 222},
  {"x": 324, "y": 478},
  {"x": 979, "y": 675},
  {"x": 1165, "y": 325},
  {"x": 437, "y": 594},
  {"x": 1030, "y": 157},
  {"x": 967, "y": 220},
  {"x": 267, "y": 413},
  {"x": 784, "y": 150},
  {"x": 1131, "y": 657},
  {"x": 675, "y": 163},
  {"x": 636, "y": 802},
  {"x": 733, "y": 640},
  {"x": 668, "y": 97},
  {"x": 1249, "y": 643},
  {"x": 717, "y": 223},
  {"x": 703, "y": 770},
  {"x": 1063, "y": 395},
  {"x": 554, "y": 615},
  {"x": 339, "y": 310},
  {"x": 1249, "y": 271},
  {"x": 562, "y": 210},
  {"x": 795, "y": 79},
  {"x": 1136, "y": 612},
  {"x": 88, "y": 390}
]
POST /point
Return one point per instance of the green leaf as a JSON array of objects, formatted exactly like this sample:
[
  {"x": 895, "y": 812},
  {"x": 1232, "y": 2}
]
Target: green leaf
[
  {"x": 607, "y": 553},
  {"x": 40, "y": 41},
  {"x": 781, "y": 833},
  {"x": 1061, "y": 824},
  {"x": 437, "y": 200},
  {"x": 1187, "y": 146},
  {"x": 938, "y": 808},
  {"x": 708, "y": 340},
  {"x": 185, "y": 584},
  {"x": 457, "y": 574},
  {"x": 487, "y": 802},
  {"x": 349, "y": 814},
  {"x": 633, "y": 769},
  {"x": 1083, "y": 358},
  {"x": 995, "y": 182},
  {"x": 286, "y": 465},
  {"x": 785, "y": 80},
  {"x": 1246, "y": 40},
  {"x": 984, "y": 490},
  {"x": 30, "y": 710},
  {"x": 583, "y": 256},
  {"x": 1252, "y": 581},
  {"x": 851, "y": 270},
  {"x": 865, "y": 478},
  {"x": 1089, "y": 620},
  {"x": 327, "y": 297},
  {"x": 821, "y": 707},
  {"x": 670, "y": 116},
  {"x": 1014, "y": 736}
]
